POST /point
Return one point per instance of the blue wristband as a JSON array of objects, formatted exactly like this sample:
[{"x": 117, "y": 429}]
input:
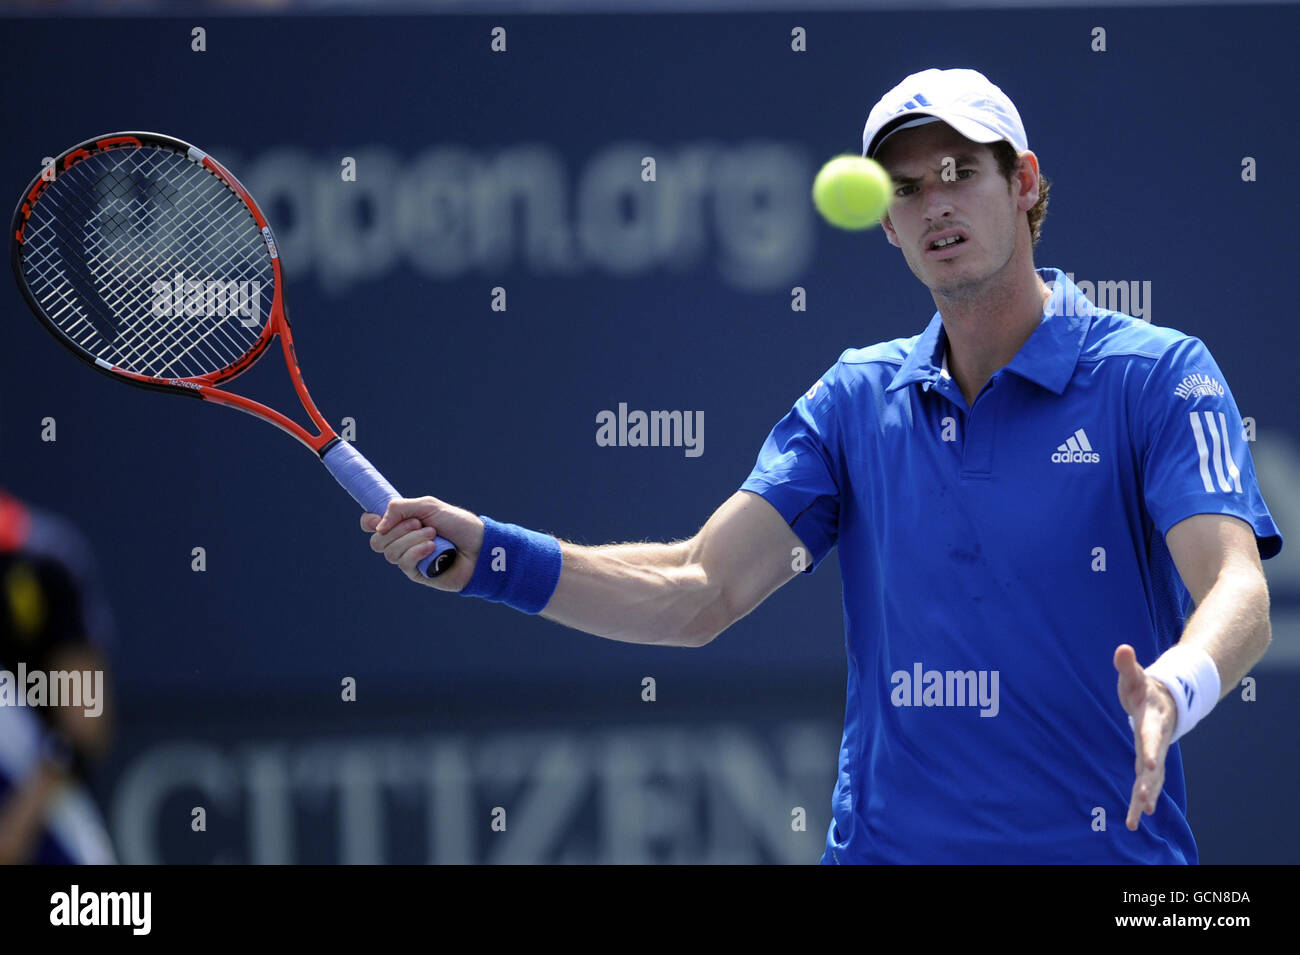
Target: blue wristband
[{"x": 528, "y": 565}]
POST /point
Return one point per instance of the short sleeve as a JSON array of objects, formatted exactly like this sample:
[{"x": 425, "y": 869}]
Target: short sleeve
[
  {"x": 1196, "y": 459},
  {"x": 795, "y": 471}
]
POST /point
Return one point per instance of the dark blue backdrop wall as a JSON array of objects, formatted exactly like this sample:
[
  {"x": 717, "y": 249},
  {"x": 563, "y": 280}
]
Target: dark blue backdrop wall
[{"x": 521, "y": 170}]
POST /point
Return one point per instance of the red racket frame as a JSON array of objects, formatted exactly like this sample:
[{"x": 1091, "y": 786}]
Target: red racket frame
[{"x": 201, "y": 386}]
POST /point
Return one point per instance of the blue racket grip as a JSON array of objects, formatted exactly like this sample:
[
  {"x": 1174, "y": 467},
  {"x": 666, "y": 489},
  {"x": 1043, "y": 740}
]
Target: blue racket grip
[{"x": 369, "y": 489}]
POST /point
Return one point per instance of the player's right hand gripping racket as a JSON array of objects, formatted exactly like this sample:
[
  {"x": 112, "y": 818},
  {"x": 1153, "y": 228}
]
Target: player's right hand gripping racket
[{"x": 149, "y": 260}]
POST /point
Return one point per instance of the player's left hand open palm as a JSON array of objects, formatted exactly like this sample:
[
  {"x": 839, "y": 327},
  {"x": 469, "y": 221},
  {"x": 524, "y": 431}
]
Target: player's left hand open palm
[{"x": 1154, "y": 715}]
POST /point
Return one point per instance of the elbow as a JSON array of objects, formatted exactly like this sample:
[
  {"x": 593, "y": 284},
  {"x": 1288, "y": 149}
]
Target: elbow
[
  {"x": 702, "y": 628},
  {"x": 699, "y": 612},
  {"x": 1259, "y": 600},
  {"x": 707, "y": 625},
  {"x": 1249, "y": 604},
  {"x": 1266, "y": 625},
  {"x": 699, "y": 637},
  {"x": 695, "y": 639}
]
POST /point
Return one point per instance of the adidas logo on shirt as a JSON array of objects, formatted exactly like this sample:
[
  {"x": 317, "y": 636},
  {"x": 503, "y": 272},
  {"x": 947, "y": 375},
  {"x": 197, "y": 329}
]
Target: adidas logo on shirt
[{"x": 1076, "y": 450}]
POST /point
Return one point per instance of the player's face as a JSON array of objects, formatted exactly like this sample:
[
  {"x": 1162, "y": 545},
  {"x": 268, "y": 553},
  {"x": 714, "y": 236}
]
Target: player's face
[{"x": 944, "y": 185}]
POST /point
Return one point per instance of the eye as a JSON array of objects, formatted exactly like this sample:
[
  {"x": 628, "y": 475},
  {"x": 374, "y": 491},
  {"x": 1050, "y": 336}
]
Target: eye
[
  {"x": 970, "y": 171},
  {"x": 903, "y": 190}
]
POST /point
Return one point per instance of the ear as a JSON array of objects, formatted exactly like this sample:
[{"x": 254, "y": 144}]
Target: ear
[
  {"x": 890, "y": 234},
  {"x": 1026, "y": 181}
]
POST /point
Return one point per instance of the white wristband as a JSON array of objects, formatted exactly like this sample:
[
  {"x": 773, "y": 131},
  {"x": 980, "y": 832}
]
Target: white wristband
[{"x": 1193, "y": 681}]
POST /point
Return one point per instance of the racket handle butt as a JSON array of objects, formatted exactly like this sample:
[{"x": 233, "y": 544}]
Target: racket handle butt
[
  {"x": 443, "y": 556},
  {"x": 372, "y": 491}
]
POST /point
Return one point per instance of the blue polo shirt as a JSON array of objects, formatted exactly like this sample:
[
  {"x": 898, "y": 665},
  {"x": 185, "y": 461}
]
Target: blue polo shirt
[{"x": 993, "y": 556}]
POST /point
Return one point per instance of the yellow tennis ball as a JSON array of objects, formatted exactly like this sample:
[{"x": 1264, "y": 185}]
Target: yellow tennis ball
[{"x": 852, "y": 192}]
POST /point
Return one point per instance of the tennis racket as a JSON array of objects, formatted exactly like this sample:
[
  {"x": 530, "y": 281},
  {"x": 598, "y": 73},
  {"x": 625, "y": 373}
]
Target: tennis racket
[{"x": 149, "y": 261}]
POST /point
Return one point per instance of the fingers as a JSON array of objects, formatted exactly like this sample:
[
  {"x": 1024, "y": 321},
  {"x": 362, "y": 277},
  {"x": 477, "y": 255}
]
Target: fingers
[
  {"x": 400, "y": 550},
  {"x": 397, "y": 512},
  {"x": 404, "y": 534},
  {"x": 1136, "y": 806},
  {"x": 409, "y": 562},
  {"x": 380, "y": 542},
  {"x": 1132, "y": 679},
  {"x": 1126, "y": 664},
  {"x": 1154, "y": 714},
  {"x": 1146, "y": 790},
  {"x": 400, "y": 509}
]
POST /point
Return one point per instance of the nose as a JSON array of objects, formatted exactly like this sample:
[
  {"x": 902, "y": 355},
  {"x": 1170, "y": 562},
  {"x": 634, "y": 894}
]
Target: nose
[{"x": 938, "y": 201}]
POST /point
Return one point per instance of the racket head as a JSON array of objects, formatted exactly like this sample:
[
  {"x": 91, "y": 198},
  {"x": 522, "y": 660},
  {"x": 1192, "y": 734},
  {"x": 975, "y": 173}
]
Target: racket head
[{"x": 149, "y": 260}]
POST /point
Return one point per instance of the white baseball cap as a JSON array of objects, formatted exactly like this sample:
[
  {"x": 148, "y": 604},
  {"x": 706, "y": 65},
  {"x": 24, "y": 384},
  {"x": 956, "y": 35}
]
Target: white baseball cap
[{"x": 964, "y": 99}]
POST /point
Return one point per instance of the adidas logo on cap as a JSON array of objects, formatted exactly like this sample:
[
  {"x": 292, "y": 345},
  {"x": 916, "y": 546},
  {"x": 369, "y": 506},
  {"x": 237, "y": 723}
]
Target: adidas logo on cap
[{"x": 1076, "y": 450}]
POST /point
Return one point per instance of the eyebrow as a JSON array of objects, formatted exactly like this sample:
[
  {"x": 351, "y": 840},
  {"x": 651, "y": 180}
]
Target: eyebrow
[{"x": 964, "y": 159}]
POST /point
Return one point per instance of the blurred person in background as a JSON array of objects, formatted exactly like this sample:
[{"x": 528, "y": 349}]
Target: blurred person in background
[{"x": 53, "y": 618}]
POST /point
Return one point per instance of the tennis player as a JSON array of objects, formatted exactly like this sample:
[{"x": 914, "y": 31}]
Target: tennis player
[{"x": 1028, "y": 498}]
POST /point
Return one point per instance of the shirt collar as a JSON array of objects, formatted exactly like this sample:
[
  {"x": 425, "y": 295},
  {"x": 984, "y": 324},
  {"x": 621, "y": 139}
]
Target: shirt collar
[{"x": 1047, "y": 358}]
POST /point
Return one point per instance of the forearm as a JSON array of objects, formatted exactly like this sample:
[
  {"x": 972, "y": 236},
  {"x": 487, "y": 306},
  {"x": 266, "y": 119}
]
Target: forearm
[
  {"x": 676, "y": 594},
  {"x": 637, "y": 593},
  {"x": 1232, "y": 625}
]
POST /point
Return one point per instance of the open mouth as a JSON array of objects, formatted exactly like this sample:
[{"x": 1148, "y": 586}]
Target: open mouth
[{"x": 945, "y": 247}]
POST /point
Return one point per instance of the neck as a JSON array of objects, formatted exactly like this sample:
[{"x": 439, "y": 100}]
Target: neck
[{"x": 986, "y": 329}]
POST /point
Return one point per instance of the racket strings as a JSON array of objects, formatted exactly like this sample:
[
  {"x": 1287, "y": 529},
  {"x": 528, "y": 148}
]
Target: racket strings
[
  {"x": 148, "y": 262},
  {"x": 146, "y": 344},
  {"x": 138, "y": 344},
  {"x": 143, "y": 343},
  {"x": 153, "y": 345},
  {"x": 88, "y": 332}
]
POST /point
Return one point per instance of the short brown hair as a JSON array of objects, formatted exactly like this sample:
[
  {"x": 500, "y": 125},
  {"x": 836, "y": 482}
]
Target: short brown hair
[{"x": 1008, "y": 159}]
